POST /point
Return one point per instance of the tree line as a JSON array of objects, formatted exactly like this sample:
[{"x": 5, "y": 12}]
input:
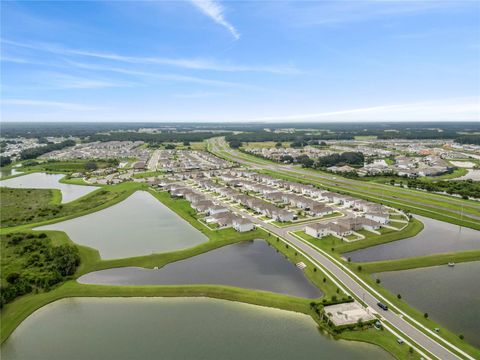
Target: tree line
[{"x": 35, "y": 152}]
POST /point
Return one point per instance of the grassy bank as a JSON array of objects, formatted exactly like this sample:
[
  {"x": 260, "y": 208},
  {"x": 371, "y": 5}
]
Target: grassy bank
[
  {"x": 421, "y": 261},
  {"x": 47, "y": 212}
]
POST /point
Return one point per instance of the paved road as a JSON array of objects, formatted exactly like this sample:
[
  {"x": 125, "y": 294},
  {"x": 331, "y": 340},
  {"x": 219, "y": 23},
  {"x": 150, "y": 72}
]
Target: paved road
[{"x": 354, "y": 287}]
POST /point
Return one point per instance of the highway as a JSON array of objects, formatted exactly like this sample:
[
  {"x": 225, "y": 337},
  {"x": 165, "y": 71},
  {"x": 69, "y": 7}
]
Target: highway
[{"x": 378, "y": 192}]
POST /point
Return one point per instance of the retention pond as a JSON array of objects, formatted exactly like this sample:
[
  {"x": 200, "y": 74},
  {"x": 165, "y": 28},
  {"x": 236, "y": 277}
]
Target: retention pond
[
  {"x": 450, "y": 295},
  {"x": 250, "y": 264},
  {"x": 436, "y": 237},
  {"x": 48, "y": 181},
  {"x": 139, "y": 225},
  {"x": 178, "y": 328}
]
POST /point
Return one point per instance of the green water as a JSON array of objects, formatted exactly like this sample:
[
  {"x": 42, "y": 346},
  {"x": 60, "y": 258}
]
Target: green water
[
  {"x": 139, "y": 225},
  {"x": 178, "y": 328},
  {"x": 450, "y": 295}
]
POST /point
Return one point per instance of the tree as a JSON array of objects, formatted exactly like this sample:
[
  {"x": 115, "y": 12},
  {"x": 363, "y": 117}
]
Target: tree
[
  {"x": 425, "y": 315},
  {"x": 12, "y": 278},
  {"x": 169, "y": 146},
  {"x": 91, "y": 166},
  {"x": 399, "y": 296},
  {"x": 235, "y": 144},
  {"x": 186, "y": 143},
  {"x": 5, "y": 160},
  {"x": 278, "y": 145},
  {"x": 378, "y": 281}
]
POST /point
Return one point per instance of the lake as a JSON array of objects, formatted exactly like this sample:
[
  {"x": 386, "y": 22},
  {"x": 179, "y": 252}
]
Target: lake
[
  {"x": 173, "y": 328},
  {"x": 250, "y": 264},
  {"x": 451, "y": 296},
  {"x": 436, "y": 237},
  {"x": 48, "y": 181},
  {"x": 139, "y": 225}
]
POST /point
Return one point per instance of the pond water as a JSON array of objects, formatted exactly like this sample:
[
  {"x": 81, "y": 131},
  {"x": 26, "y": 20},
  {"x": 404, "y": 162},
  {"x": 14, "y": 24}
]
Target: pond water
[
  {"x": 436, "y": 237},
  {"x": 48, "y": 181},
  {"x": 139, "y": 225},
  {"x": 250, "y": 264},
  {"x": 9, "y": 172},
  {"x": 176, "y": 328},
  {"x": 451, "y": 296}
]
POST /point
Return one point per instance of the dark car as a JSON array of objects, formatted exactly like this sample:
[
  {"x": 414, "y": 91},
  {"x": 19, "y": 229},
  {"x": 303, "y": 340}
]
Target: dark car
[{"x": 383, "y": 306}]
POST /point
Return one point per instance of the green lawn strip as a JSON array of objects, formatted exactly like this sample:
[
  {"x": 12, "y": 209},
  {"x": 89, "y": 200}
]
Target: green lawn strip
[
  {"x": 437, "y": 214},
  {"x": 416, "y": 314},
  {"x": 326, "y": 243},
  {"x": 382, "y": 338},
  {"x": 76, "y": 181},
  {"x": 102, "y": 198},
  {"x": 14, "y": 313},
  {"x": 421, "y": 261}
]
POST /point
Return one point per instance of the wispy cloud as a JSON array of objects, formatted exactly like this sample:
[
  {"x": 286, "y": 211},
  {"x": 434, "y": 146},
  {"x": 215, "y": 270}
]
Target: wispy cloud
[
  {"x": 199, "y": 95},
  {"x": 50, "y": 104},
  {"x": 466, "y": 108},
  {"x": 215, "y": 11},
  {"x": 194, "y": 64},
  {"x": 344, "y": 12},
  {"x": 160, "y": 76},
  {"x": 66, "y": 81}
]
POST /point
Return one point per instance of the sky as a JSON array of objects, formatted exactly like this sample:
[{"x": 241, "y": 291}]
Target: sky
[{"x": 225, "y": 61}]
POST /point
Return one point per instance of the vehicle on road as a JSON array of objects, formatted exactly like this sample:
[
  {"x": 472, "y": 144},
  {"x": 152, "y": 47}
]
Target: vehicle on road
[{"x": 382, "y": 306}]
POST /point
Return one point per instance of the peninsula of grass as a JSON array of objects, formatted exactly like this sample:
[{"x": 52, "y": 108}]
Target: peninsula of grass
[
  {"x": 421, "y": 261},
  {"x": 46, "y": 207}
]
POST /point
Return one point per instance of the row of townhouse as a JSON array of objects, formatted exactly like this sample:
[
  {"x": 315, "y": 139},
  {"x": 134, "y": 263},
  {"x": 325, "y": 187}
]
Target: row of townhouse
[
  {"x": 216, "y": 213},
  {"x": 341, "y": 228},
  {"x": 269, "y": 188}
]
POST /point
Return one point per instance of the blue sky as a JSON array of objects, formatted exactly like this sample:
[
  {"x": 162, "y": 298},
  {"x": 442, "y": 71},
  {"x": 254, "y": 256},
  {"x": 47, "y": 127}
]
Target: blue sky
[{"x": 240, "y": 61}]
